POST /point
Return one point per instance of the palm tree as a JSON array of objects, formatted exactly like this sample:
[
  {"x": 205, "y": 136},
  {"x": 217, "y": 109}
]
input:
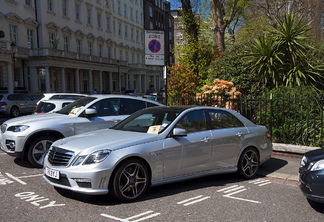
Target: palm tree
[{"x": 280, "y": 57}]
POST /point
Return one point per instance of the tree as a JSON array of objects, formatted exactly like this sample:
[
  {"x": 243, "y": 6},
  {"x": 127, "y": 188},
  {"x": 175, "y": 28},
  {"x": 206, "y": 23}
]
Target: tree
[
  {"x": 281, "y": 57},
  {"x": 223, "y": 13}
]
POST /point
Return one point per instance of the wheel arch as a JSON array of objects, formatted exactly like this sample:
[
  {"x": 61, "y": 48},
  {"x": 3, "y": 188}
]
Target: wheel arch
[
  {"x": 128, "y": 158},
  {"x": 252, "y": 147},
  {"x": 30, "y": 139}
]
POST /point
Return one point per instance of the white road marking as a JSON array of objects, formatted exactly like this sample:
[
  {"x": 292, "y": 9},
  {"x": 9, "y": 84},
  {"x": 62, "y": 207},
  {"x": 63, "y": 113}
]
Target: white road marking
[
  {"x": 139, "y": 216},
  {"x": 193, "y": 200},
  {"x": 235, "y": 189}
]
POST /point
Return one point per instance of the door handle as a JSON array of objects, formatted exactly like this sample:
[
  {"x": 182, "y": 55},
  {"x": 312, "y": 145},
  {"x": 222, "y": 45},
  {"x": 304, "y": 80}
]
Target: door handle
[
  {"x": 205, "y": 140},
  {"x": 238, "y": 134}
]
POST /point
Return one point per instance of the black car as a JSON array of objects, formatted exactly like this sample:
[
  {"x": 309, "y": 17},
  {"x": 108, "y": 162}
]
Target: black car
[{"x": 311, "y": 175}]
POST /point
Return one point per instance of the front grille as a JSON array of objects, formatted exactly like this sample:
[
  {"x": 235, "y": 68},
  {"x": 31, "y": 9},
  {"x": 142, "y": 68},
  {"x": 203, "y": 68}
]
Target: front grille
[
  {"x": 59, "y": 157},
  {"x": 3, "y": 128}
]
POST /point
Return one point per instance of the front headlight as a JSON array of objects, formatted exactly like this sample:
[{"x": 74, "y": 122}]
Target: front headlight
[
  {"x": 19, "y": 128},
  {"x": 97, "y": 156},
  {"x": 319, "y": 165}
]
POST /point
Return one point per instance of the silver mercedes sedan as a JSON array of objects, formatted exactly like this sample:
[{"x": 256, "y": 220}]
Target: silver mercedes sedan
[{"x": 156, "y": 146}]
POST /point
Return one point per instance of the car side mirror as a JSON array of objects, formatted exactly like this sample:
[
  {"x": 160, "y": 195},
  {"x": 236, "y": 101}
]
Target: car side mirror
[
  {"x": 178, "y": 132},
  {"x": 90, "y": 113}
]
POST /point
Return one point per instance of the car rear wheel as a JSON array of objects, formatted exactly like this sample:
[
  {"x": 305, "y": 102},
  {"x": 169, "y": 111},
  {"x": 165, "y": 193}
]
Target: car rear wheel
[
  {"x": 249, "y": 163},
  {"x": 14, "y": 112},
  {"x": 38, "y": 149},
  {"x": 129, "y": 181}
]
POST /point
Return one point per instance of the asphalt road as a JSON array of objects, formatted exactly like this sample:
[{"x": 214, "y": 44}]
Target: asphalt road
[{"x": 25, "y": 196}]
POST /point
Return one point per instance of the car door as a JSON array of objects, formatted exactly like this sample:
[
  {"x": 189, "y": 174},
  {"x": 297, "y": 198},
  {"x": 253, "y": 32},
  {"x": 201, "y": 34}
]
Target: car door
[
  {"x": 188, "y": 154},
  {"x": 227, "y": 133},
  {"x": 30, "y": 105},
  {"x": 107, "y": 116}
]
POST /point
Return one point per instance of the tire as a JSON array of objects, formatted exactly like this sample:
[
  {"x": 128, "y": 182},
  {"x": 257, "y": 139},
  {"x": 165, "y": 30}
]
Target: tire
[
  {"x": 38, "y": 149},
  {"x": 129, "y": 181},
  {"x": 248, "y": 164},
  {"x": 14, "y": 111}
]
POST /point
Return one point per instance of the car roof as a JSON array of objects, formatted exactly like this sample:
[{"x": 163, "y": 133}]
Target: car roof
[{"x": 99, "y": 96}]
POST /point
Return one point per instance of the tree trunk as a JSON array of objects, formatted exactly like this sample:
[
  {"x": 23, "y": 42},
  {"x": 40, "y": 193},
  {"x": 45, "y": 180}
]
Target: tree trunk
[{"x": 219, "y": 24}]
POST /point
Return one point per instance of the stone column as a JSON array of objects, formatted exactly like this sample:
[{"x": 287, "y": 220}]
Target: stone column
[
  {"x": 9, "y": 78},
  {"x": 77, "y": 81},
  {"x": 47, "y": 80},
  {"x": 63, "y": 79}
]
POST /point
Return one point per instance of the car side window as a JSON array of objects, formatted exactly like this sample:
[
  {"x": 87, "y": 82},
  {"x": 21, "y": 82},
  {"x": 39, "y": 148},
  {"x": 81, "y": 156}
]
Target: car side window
[
  {"x": 129, "y": 106},
  {"x": 25, "y": 97},
  {"x": 219, "y": 119},
  {"x": 106, "y": 107},
  {"x": 193, "y": 122},
  {"x": 148, "y": 104}
]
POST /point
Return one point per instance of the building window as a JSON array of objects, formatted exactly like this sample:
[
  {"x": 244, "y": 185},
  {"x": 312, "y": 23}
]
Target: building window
[
  {"x": 13, "y": 34},
  {"x": 29, "y": 2},
  {"x": 151, "y": 12},
  {"x": 132, "y": 34},
  {"x": 109, "y": 52},
  {"x": 100, "y": 50},
  {"x": 127, "y": 56},
  {"x": 114, "y": 27},
  {"x": 64, "y": 7},
  {"x": 136, "y": 16},
  {"x": 89, "y": 16},
  {"x": 90, "y": 48},
  {"x": 50, "y": 6},
  {"x": 131, "y": 13},
  {"x": 52, "y": 41},
  {"x": 79, "y": 46},
  {"x": 170, "y": 23},
  {"x": 121, "y": 55},
  {"x": 99, "y": 19},
  {"x": 108, "y": 23},
  {"x": 125, "y": 10},
  {"x": 66, "y": 43},
  {"x": 151, "y": 25},
  {"x": 126, "y": 31},
  {"x": 30, "y": 38},
  {"x": 119, "y": 29},
  {"x": 137, "y": 36},
  {"x": 77, "y": 12},
  {"x": 118, "y": 7}
]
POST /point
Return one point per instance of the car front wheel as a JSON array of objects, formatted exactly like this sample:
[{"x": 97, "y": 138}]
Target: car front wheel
[
  {"x": 130, "y": 181},
  {"x": 38, "y": 150},
  {"x": 249, "y": 163},
  {"x": 14, "y": 112}
]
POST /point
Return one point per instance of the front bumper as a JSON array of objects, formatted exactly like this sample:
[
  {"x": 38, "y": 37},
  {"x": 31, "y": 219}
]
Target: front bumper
[
  {"x": 17, "y": 150},
  {"x": 312, "y": 185},
  {"x": 96, "y": 184}
]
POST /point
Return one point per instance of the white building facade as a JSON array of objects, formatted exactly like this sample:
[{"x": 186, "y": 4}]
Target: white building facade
[{"x": 73, "y": 46}]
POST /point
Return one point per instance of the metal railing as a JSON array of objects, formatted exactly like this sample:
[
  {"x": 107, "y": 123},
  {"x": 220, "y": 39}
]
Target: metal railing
[{"x": 290, "y": 119}]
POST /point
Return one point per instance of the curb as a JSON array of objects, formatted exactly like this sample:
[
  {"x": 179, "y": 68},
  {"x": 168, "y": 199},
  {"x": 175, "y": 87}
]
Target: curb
[{"x": 294, "y": 149}]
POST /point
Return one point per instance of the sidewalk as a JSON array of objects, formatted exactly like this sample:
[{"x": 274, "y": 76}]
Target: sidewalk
[
  {"x": 284, "y": 163},
  {"x": 281, "y": 166}
]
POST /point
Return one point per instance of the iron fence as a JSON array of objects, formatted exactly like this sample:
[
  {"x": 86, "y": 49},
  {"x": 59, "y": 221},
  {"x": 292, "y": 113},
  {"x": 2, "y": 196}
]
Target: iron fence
[{"x": 291, "y": 119}]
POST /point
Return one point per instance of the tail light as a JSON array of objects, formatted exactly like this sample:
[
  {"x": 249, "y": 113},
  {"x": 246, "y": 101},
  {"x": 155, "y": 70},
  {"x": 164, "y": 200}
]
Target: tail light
[
  {"x": 268, "y": 135},
  {"x": 3, "y": 103}
]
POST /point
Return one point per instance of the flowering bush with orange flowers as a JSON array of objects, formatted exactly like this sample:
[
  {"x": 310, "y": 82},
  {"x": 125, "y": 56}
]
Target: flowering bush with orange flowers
[{"x": 220, "y": 94}]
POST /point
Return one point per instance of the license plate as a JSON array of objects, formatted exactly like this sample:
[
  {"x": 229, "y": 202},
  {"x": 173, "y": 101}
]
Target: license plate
[{"x": 52, "y": 173}]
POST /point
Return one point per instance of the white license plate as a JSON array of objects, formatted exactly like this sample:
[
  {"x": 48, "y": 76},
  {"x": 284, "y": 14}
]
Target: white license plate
[{"x": 52, "y": 173}]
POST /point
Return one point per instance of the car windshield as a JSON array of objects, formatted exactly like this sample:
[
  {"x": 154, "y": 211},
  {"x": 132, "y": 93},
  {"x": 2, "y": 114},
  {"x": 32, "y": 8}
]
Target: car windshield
[
  {"x": 74, "y": 107},
  {"x": 152, "y": 121}
]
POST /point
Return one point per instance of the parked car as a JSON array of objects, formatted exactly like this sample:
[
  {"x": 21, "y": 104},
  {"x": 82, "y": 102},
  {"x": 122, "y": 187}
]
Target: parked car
[
  {"x": 133, "y": 92},
  {"x": 156, "y": 146},
  {"x": 311, "y": 175},
  {"x": 50, "y": 106},
  {"x": 49, "y": 96},
  {"x": 14, "y": 104},
  {"x": 30, "y": 137}
]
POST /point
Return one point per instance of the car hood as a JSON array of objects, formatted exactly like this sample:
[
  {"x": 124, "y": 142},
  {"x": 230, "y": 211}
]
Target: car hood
[
  {"x": 315, "y": 155},
  {"x": 29, "y": 119},
  {"x": 104, "y": 139}
]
